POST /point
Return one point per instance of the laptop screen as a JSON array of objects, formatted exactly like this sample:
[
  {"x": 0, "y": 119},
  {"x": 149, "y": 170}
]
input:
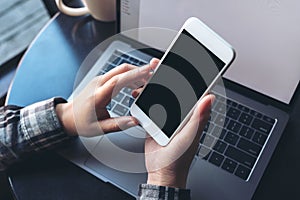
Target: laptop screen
[{"x": 265, "y": 36}]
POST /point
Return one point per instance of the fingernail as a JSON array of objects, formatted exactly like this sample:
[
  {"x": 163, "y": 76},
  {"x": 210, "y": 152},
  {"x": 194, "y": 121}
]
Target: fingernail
[{"x": 213, "y": 98}]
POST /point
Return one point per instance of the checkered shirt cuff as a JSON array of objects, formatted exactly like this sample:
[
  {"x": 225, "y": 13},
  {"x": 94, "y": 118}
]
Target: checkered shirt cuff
[
  {"x": 154, "y": 192},
  {"x": 40, "y": 124}
]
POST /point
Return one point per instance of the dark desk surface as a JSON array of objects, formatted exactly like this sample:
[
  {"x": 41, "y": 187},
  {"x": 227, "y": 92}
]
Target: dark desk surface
[{"x": 49, "y": 69}]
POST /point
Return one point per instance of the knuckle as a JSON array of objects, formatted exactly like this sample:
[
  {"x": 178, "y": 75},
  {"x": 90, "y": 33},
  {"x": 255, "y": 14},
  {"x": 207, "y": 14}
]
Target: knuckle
[
  {"x": 113, "y": 126},
  {"x": 114, "y": 81},
  {"x": 116, "y": 126},
  {"x": 125, "y": 66}
]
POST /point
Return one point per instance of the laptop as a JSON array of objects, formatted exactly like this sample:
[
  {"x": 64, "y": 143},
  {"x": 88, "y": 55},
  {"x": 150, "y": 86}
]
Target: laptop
[{"x": 226, "y": 166}]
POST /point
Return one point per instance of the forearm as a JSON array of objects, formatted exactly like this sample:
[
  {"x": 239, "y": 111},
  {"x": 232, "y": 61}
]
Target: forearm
[{"x": 30, "y": 129}]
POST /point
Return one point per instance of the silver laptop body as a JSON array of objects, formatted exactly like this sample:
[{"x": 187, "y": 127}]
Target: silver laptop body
[{"x": 206, "y": 180}]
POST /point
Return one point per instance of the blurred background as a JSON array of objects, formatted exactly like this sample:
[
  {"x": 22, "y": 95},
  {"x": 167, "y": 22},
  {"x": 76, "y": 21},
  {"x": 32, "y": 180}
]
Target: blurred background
[{"x": 20, "y": 22}]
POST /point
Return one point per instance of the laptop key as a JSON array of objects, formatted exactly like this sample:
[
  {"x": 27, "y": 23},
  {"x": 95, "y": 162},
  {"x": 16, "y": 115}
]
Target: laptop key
[
  {"x": 231, "y": 103},
  {"x": 101, "y": 73},
  {"x": 231, "y": 138},
  {"x": 221, "y": 120},
  {"x": 233, "y": 113},
  {"x": 127, "y": 90},
  {"x": 234, "y": 126},
  {"x": 223, "y": 133},
  {"x": 204, "y": 152},
  {"x": 219, "y": 135},
  {"x": 208, "y": 127},
  {"x": 118, "y": 97},
  {"x": 207, "y": 140},
  {"x": 108, "y": 67},
  {"x": 117, "y": 61},
  {"x": 122, "y": 61},
  {"x": 120, "y": 110},
  {"x": 246, "y": 132},
  {"x": 245, "y": 118},
  {"x": 243, "y": 108},
  {"x": 240, "y": 156},
  {"x": 259, "y": 138},
  {"x": 110, "y": 105},
  {"x": 268, "y": 119},
  {"x": 249, "y": 147},
  {"x": 229, "y": 165},
  {"x": 220, "y": 107},
  {"x": 133, "y": 60},
  {"x": 118, "y": 53},
  {"x": 242, "y": 172},
  {"x": 127, "y": 101},
  {"x": 262, "y": 126},
  {"x": 220, "y": 146},
  {"x": 255, "y": 114},
  {"x": 216, "y": 159},
  {"x": 125, "y": 56},
  {"x": 217, "y": 131},
  {"x": 220, "y": 98},
  {"x": 140, "y": 63},
  {"x": 113, "y": 58}
]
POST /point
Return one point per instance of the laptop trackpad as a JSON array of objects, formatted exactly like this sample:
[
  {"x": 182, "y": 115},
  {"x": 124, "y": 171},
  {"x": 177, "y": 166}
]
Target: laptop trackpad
[{"x": 119, "y": 158}]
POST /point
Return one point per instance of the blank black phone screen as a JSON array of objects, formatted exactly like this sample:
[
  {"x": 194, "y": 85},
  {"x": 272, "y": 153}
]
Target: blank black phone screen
[{"x": 179, "y": 82}]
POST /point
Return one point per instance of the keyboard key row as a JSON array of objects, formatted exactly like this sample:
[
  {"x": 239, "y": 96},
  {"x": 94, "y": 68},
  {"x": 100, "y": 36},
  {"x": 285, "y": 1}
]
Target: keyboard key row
[
  {"x": 235, "y": 108},
  {"x": 227, "y": 164},
  {"x": 255, "y": 136}
]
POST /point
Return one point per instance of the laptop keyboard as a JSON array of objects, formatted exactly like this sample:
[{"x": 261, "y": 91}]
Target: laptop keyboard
[
  {"x": 121, "y": 103},
  {"x": 231, "y": 141},
  {"x": 234, "y": 141}
]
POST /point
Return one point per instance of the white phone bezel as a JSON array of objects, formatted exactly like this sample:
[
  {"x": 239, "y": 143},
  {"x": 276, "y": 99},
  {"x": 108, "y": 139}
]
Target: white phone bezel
[{"x": 211, "y": 41}]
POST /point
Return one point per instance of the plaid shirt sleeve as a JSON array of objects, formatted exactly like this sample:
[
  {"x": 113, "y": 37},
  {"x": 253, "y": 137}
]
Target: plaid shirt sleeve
[
  {"x": 154, "y": 192},
  {"x": 29, "y": 129}
]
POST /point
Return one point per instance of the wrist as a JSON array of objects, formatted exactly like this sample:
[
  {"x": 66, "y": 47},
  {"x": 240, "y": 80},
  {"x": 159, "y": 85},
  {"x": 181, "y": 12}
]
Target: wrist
[
  {"x": 176, "y": 180},
  {"x": 65, "y": 116}
]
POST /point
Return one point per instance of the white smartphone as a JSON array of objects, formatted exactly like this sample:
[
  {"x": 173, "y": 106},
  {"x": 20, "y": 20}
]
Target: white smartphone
[{"x": 192, "y": 64}]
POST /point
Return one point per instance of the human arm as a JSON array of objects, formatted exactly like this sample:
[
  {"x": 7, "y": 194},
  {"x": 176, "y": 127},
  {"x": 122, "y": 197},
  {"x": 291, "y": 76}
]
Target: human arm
[
  {"x": 45, "y": 124},
  {"x": 27, "y": 130},
  {"x": 168, "y": 166}
]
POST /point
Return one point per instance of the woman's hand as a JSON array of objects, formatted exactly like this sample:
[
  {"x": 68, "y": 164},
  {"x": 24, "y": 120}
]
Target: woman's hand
[
  {"x": 87, "y": 115},
  {"x": 169, "y": 165}
]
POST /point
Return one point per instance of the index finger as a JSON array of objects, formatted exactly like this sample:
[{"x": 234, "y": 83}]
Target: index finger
[
  {"x": 133, "y": 78},
  {"x": 116, "y": 71}
]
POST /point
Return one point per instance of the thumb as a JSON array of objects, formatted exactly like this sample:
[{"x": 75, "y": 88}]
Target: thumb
[{"x": 191, "y": 132}]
